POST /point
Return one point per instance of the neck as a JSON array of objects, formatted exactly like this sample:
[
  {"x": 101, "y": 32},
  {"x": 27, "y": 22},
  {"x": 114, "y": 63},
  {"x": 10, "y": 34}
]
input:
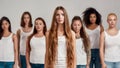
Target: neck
[
  {"x": 60, "y": 29},
  {"x": 5, "y": 31},
  {"x": 94, "y": 24},
  {"x": 77, "y": 35},
  {"x": 26, "y": 26},
  {"x": 112, "y": 28},
  {"x": 40, "y": 32}
]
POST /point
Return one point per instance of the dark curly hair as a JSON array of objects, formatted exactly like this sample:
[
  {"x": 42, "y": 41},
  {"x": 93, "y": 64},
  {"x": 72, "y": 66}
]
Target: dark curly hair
[{"x": 87, "y": 13}]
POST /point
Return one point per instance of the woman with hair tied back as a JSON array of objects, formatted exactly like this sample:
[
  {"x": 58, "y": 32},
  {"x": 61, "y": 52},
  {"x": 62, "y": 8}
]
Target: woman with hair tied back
[{"x": 82, "y": 43}]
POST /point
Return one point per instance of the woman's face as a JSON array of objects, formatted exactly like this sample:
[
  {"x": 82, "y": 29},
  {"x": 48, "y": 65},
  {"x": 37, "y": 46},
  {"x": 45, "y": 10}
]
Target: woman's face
[
  {"x": 39, "y": 25},
  {"x": 60, "y": 17},
  {"x": 77, "y": 26},
  {"x": 93, "y": 18},
  {"x": 5, "y": 25},
  {"x": 112, "y": 20},
  {"x": 26, "y": 18}
]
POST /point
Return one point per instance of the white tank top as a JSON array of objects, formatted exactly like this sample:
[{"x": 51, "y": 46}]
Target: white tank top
[
  {"x": 23, "y": 39},
  {"x": 61, "y": 60},
  {"x": 81, "y": 54},
  {"x": 112, "y": 47},
  {"x": 38, "y": 49},
  {"x": 94, "y": 36},
  {"x": 7, "y": 49}
]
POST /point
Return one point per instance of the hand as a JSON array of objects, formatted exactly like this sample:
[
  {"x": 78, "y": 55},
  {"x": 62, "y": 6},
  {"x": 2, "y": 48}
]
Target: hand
[
  {"x": 104, "y": 65},
  {"x": 29, "y": 66},
  {"x": 16, "y": 66},
  {"x": 87, "y": 66}
]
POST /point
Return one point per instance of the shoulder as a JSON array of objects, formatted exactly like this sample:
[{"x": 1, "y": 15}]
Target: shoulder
[
  {"x": 101, "y": 28},
  {"x": 102, "y": 33}
]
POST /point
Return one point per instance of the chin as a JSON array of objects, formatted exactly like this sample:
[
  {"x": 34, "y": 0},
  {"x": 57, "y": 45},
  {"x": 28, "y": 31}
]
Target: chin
[{"x": 61, "y": 22}]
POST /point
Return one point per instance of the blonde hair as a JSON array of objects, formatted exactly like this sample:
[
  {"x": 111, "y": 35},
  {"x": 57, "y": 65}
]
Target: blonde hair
[{"x": 111, "y": 14}]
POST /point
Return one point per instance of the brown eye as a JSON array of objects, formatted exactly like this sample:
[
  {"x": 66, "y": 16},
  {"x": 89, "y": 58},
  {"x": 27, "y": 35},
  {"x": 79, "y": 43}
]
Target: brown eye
[{"x": 57, "y": 14}]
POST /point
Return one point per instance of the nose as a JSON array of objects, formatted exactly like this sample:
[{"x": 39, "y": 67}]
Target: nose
[{"x": 60, "y": 16}]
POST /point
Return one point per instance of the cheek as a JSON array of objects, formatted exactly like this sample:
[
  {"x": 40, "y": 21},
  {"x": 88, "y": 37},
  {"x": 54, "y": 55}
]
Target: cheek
[{"x": 74, "y": 27}]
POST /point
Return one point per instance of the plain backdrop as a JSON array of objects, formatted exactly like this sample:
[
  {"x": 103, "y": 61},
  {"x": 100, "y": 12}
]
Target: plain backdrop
[{"x": 13, "y": 9}]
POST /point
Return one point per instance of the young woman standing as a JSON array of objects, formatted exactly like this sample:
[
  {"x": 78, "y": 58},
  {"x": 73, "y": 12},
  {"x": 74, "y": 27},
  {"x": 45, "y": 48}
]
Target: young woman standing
[
  {"x": 36, "y": 45},
  {"x": 82, "y": 43},
  {"x": 110, "y": 45},
  {"x": 92, "y": 21},
  {"x": 8, "y": 45},
  {"x": 22, "y": 34},
  {"x": 60, "y": 42}
]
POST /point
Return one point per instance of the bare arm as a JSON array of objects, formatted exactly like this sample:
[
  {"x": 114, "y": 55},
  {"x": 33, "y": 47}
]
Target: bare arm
[
  {"x": 18, "y": 36},
  {"x": 101, "y": 29},
  {"x": 46, "y": 54},
  {"x": 28, "y": 53},
  {"x": 74, "y": 43},
  {"x": 102, "y": 46},
  {"x": 88, "y": 56},
  {"x": 15, "y": 41}
]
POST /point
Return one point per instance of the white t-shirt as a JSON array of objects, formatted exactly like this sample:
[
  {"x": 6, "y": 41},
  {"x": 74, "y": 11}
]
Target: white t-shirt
[
  {"x": 112, "y": 47},
  {"x": 23, "y": 39},
  {"x": 81, "y": 54},
  {"x": 61, "y": 60},
  {"x": 38, "y": 49},
  {"x": 7, "y": 49},
  {"x": 94, "y": 36}
]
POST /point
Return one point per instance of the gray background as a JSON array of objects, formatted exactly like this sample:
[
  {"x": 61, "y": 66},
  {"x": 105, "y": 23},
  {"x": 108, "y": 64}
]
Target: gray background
[{"x": 45, "y": 8}]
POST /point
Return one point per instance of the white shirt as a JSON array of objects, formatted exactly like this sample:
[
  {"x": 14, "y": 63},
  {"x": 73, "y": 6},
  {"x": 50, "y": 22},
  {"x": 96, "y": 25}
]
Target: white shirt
[
  {"x": 61, "y": 60},
  {"x": 81, "y": 54},
  {"x": 7, "y": 49},
  {"x": 38, "y": 49},
  {"x": 94, "y": 36},
  {"x": 23, "y": 39},
  {"x": 112, "y": 47}
]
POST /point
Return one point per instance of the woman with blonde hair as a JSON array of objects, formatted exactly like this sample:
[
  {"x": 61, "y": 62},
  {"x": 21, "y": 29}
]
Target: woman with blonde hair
[
  {"x": 60, "y": 42},
  {"x": 109, "y": 44}
]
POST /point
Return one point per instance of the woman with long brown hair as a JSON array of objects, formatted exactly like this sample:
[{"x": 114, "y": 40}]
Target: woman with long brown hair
[
  {"x": 22, "y": 34},
  {"x": 82, "y": 43},
  {"x": 36, "y": 46},
  {"x": 60, "y": 42}
]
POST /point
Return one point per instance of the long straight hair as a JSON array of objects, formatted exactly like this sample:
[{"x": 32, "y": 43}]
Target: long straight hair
[
  {"x": 82, "y": 33},
  {"x": 1, "y": 22},
  {"x": 53, "y": 41}
]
